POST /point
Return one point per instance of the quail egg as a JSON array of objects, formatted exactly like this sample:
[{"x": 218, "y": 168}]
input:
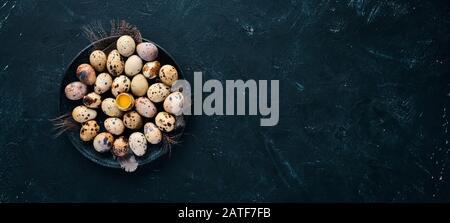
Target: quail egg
[
  {"x": 103, "y": 83},
  {"x": 152, "y": 133},
  {"x": 120, "y": 147},
  {"x": 92, "y": 100},
  {"x": 103, "y": 142},
  {"x": 147, "y": 51},
  {"x": 132, "y": 120},
  {"x": 174, "y": 103},
  {"x": 145, "y": 107},
  {"x": 114, "y": 63},
  {"x": 139, "y": 85},
  {"x": 165, "y": 121},
  {"x": 98, "y": 60},
  {"x": 126, "y": 45},
  {"x": 82, "y": 114},
  {"x": 133, "y": 65},
  {"x": 137, "y": 143},
  {"x": 89, "y": 130},
  {"x": 114, "y": 126},
  {"x": 75, "y": 90},
  {"x": 158, "y": 92},
  {"x": 120, "y": 84},
  {"x": 168, "y": 74},
  {"x": 86, "y": 74},
  {"x": 151, "y": 69},
  {"x": 109, "y": 107}
]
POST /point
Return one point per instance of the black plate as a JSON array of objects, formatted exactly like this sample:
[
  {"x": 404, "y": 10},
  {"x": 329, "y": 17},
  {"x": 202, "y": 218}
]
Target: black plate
[{"x": 66, "y": 106}]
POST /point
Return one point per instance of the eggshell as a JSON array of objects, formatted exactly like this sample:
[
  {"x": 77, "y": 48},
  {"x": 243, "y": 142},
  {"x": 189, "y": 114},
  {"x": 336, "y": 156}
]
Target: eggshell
[
  {"x": 92, "y": 100},
  {"x": 133, "y": 65},
  {"x": 152, "y": 133},
  {"x": 132, "y": 120},
  {"x": 114, "y": 63},
  {"x": 75, "y": 90},
  {"x": 165, "y": 121},
  {"x": 147, "y": 51},
  {"x": 151, "y": 69},
  {"x": 103, "y": 142},
  {"x": 110, "y": 108},
  {"x": 86, "y": 74},
  {"x": 126, "y": 45},
  {"x": 120, "y": 84},
  {"x": 102, "y": 83},
  {"x": 82, "y": 114},
  {"x": 145, "y": 107},
  {"x": 137, "y": 143},
  {"x": 98, "y": 60},
  {"x": 174, "y": 103},
  {"x": 139, "y": 85},
  {"x": 114, "y": 126},
  {"x": 120, "y": 147},
  {"x": 168, "y": 74},
  {"x": 157, "y": 92},
  {"x": 89, "y": 130}
]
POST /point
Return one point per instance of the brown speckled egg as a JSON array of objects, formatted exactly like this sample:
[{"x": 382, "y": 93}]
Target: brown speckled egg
[
  {"x": 132, "y": 120},
  {"x": 82, "y": 114},
  {"x": 126, "y": 45},
  {"x": 145, "y": 107},
  {"x": 151, "y": 69},
  {"x": 158, "y": 92},
  {"x": 120, "y": 147},
  {"x": 174, "y": 103},
  {"x": 103, "y": 142},
  {"x": 114, "y": 63},
  {"x": 98, "y": 60},
  {"x": 92, "y": 100},
  {"x": 147, "y": 51},
  {"x": 114, "y": 126},
  {"x": 137, "y": 143},
  {"x": 120, "y": 84},
  {"x": 152, "y": 133},
  {"x": 139, "y": 85},
  {"x": 86, "y": 74},
  {"x": 168, "y": 74},
  {"x": 165, "y": 121},
  {"x": 89, "y": 130},
  {"x": 109, "y": 107},
  {"x": 75, "y": 90},
  {"x": 133, "y": 65},
  {"x": 103, "y": 83}
]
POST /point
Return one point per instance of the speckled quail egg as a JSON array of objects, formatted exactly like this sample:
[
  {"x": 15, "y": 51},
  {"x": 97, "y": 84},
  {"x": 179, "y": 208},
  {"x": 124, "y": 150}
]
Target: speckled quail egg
[
  {"x": 137, "y": 143},
  {"x": 120, "y": 147},
  {"x": 103, "y": 83},
  {"x": 98, "y": 60},
  {"x": 114, "y": 63},
  {"x": 147, "y": 51},
  {"x": 103, "y": 142},
  {"x": 114, "y": 126},
  {"x": 120, "y": 84},
  {"x": 139, "y": 85},
  {"x": 165, "y": 121},
  {"x": 157, "y": 92},
  {"x": 151, "y": 69},
  {"x": 89, "y": 130},
  {"x": 168, "y": 74},
  {"x": 132, "y": 120},
  {"x": 174, "y": 103},
  {"x": 92, "y": 100},
  {"x": 145, "y": 107},
  {"x": 82, "y": 114},
  {"x": 126, "y": 45},
  {"x": 75, "y": 90},
  {"x": 133, "y": 65},
  {"x": 109, "y": 107},
  {"x": 152, "y": 133},
  {"x": 86, "y": 74}
]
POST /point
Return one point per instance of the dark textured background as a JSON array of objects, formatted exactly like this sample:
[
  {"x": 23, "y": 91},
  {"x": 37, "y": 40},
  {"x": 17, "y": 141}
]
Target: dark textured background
[{"x": 364, "y": 105}]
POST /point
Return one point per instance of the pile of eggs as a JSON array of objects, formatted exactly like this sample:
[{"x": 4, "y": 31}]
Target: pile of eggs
[{"x": 129, "y": 85}]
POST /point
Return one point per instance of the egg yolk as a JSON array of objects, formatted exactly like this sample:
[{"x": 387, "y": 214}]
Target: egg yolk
[{"x": 123, "y": 101}]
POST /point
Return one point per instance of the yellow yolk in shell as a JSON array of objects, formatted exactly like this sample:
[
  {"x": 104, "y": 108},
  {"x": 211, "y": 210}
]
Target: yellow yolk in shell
[{"x": 123, "y": 101}]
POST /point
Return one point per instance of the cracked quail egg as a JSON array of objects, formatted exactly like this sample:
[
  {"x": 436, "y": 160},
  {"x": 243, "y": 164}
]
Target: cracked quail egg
[
  {"x": 139, "y": 85},
  {"x": 86, "y": 74},
  {"x": 133, "y": 65},
  {"x": 158, "y": 92},
  {"x": 165, "y": 121},
  {"x": 114, "y": 63},
  {"x": 126, "y": 45},
  {"x": 82, "y": 114},
  {"x": 103, "y": 83},
  {"x": 89, "y": 130},
  {"x": 137, "y": 143},
  {"x": 114, "y": 126},
  {"x": 75, "y": 90},
  {"x": 103, "y": 142},
  {"x": 152, "y": 133},
  {"x": 97, "y": 59}
]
